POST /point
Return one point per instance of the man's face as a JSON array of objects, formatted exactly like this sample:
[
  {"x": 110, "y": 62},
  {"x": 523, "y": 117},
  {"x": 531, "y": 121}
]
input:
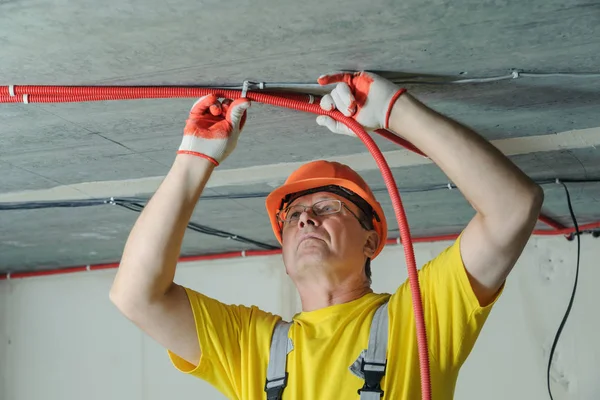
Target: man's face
[{"x": 334, "y": 244}]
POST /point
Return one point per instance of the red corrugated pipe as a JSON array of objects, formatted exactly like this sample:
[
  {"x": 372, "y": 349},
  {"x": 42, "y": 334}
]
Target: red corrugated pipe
[
  {"x": 61, "y": 96},
  {"x": 42, "y": 94},
  {"x": 301, "y": 102}
]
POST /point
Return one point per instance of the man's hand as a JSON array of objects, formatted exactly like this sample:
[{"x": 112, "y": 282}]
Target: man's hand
[
  {"x": 213, "y": 128},
  {"x": 366, "y": 97}
]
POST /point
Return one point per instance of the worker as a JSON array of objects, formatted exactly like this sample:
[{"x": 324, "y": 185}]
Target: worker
[{"x": 330, "y": 227}]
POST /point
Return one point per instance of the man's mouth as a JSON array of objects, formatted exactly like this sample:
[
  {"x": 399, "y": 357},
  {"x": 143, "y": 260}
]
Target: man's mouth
[{"x": 308, "y": 237}]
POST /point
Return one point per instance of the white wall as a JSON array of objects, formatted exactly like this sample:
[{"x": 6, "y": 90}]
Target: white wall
[{"x": 69, "y": 343}]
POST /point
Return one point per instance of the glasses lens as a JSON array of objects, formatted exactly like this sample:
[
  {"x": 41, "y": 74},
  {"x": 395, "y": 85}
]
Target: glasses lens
[
  {"x": 325, "y": 207},
  {"x": 291, "y": 213}
]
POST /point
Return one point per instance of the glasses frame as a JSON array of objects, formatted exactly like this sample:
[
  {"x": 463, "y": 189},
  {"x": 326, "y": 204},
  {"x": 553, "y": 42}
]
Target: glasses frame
[{"x": 312, "y": 208}]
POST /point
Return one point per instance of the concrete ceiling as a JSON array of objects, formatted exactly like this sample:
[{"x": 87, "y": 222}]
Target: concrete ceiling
[{"x": 103, "y": 149}]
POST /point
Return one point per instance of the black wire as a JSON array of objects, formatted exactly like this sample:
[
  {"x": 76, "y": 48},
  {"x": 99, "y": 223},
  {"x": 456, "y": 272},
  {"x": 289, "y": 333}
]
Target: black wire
[
  {"x": 10, "y": 206},
  {"x": 564, "y": 320},
  {"x": 127, "y": 206},
  {"x": 134, "y": 206},
  {"x": 33, "y": 205}
]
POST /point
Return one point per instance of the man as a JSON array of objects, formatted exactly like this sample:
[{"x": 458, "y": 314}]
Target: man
[{"x": 330, "y": 227}]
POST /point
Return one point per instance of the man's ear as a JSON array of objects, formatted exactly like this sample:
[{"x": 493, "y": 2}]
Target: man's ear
[{"x": 371, "y": 244}]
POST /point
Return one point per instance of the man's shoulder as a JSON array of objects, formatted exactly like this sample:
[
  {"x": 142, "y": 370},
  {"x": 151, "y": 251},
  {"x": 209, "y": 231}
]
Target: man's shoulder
[{"x": 244, "y": 313}]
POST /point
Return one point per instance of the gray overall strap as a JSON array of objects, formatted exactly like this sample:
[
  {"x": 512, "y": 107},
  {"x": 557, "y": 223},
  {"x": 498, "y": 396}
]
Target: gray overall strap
[
  {"x": 276, "y": 371},
  {"x": 374, "y": 363}
]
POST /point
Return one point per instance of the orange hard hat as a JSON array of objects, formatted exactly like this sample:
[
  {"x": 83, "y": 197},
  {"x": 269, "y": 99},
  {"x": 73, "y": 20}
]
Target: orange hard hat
[{"x": 332, "y": 177}]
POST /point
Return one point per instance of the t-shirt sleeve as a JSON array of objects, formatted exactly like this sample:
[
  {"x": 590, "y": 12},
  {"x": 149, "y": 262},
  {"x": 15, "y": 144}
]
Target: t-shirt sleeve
[
  {"x": 223, "y": 332},
  {"x": 452, "y": 311}
]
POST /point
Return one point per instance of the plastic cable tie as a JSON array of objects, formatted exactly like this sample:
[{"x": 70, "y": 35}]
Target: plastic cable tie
[
  {"x": 245, "y": 88},
  {"x": 311, "y": 99},
  {"x": 557, "y": 181},
  {"x": 26, "y": 99},
  {"x": 449, "y": 186},
  {"x": 243, "y": 253},
  {"x": 515, "y": 74},
  {"x": 11, "y": 90}
]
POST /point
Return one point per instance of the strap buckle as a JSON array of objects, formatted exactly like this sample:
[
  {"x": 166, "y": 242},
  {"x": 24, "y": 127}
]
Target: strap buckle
[
  {"x": 274, "y": 388},
  {"x": 373, "y": 373}
]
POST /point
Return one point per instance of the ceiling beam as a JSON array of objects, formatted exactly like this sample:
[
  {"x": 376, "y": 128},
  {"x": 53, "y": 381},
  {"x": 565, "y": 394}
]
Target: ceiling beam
[{"x": 275, "y": 174}]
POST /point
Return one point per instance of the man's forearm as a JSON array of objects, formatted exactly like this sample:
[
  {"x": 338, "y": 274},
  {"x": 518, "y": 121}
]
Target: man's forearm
[
  {"x": 150, "y": 256},
  {"x": 489, "y": 180}
]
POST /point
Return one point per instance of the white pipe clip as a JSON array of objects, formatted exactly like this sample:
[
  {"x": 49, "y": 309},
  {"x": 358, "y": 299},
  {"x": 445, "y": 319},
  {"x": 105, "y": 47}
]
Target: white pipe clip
[
  {"x": 11, "y": 90},
  {"x": 245, "y": 86},
  {"x": 515, "y": 74},
  {"x": 243, "y": 253},
  {"x": 557, "y": 181},
  {"x": 398, "y": 240},
  {"x": 88, "y": 268},
  {"x": 25, "y": 99},
  {"x": 449, "y": 185},
  {"x": 311, "y": 99},
  {"x": 8, "y": 276}
]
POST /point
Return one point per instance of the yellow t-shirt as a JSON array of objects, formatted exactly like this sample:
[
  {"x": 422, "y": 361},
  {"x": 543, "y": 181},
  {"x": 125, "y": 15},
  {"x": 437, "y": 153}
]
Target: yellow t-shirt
[{"x": 235, "y": 340}]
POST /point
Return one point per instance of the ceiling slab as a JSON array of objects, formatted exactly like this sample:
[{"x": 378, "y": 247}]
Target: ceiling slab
[
  {"x": 188, "y": 42},
  {"x": 182, "y": 42}
]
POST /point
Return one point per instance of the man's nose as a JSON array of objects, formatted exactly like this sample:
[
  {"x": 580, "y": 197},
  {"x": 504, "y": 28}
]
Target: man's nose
[{"x": 307, "y": 218}]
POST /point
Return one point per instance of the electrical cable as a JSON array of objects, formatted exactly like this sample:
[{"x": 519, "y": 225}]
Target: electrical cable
[
  {"x": 30, "y": 205},
  {"x": 204, "y": 229},
  {"x": 35, "y": 205},
  {"x": 207, "y": 230},
  {"x": 426, "y": 80},
  {"x": 515, "y": 74},
  {"x": 590, "y": 228},
  {"x": 416, "y": 79},
  {"x": 585, "y": 75},
  {"x": 564, "y": 320}
]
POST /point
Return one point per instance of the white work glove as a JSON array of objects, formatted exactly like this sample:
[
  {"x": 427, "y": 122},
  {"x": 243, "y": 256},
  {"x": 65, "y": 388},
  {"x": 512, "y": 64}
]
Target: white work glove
[
  {"x": 213, "y": 128},
  {"x": 363, "y": 96}
]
